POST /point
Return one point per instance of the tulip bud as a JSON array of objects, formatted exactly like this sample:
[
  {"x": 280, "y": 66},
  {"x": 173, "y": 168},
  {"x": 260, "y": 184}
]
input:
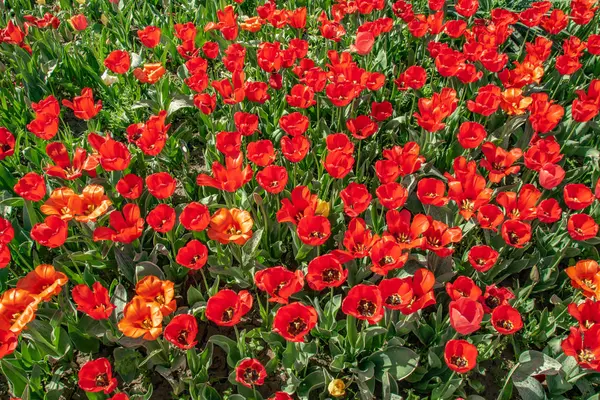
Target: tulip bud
[
  {"x": 322, "y": 208},
  {"x": 337, "y": 388},
  {"x": 551, "y": 175}
]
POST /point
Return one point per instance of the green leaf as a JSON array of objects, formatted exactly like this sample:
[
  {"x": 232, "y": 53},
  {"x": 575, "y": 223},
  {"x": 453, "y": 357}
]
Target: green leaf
[
  {"x": 537, "y": 363},
  {"x": 229, "y": 346},
  {"x": 119, "y": 299},
  {"x": 147, "y": 268},
  {"x": 15, "y": 376},
  {"x": 194, "y": 296},
  {"x": 126, "y": 363},
  {"x": 399, "y": 362},
  {"x": 249, "y": 249},
  {"x": 312, "y": 382}
]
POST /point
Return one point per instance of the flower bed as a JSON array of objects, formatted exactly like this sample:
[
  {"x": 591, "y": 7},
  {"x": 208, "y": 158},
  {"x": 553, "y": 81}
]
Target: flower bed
[{"x": 299, "y": 200}]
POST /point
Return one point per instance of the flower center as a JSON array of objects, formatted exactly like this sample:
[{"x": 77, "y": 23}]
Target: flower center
[
  {"x": 331, "y": 275},
  {"x": 101, "y": 380},
  {"x": 297, "y": 326},
  {"x": 233, "y": 231},
  {"x": 434, "y": 241},
  {"x": 388, "y": 260},
  {"x": 250, "y": 376},
  {"x": 146, "y": 324},
  {"x": 182, "y": 337},
  {"x": 492, "y": 302},
  {"x": 227, "y": 314},
  {"x": 467, "y": 205},
  {"x": 460, "y": 362},
  {"x": 394, "y": 300},
  {"x": 505, "y": 324},
  {"x": 589, "y": 283},
  {"x": 366, "y": 308},
  {"x": 586, "y": 356}
]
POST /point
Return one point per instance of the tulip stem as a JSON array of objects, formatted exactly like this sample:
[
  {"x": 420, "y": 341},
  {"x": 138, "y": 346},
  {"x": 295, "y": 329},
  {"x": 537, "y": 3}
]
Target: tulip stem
[
  {"x": 446, "y": 385},
  {"x": 205, "y": 281}
]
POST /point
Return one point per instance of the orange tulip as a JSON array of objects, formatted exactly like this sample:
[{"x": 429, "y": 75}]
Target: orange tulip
[
  {"x": 232, "y": 225},
  {"x": 63, "y": 202},
  {"x": 93, "y": 203},
  {"x": 585, "y": 275},
  {"x": 141, "y": 318},
  {"x": 44, "y": 281},
  {"x": 160, "y": 293},
  {"x": 513, "y": 102},
  {"x": 17, "y": 309},
  {"x": 151, "y": 73}
]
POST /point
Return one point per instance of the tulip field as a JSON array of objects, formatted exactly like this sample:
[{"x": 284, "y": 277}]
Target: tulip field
[{"x": 294, "y": 199}]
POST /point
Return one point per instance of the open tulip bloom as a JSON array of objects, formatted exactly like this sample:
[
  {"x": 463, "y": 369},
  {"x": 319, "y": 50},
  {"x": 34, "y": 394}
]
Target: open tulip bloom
[{"x": 359, "y": 199}]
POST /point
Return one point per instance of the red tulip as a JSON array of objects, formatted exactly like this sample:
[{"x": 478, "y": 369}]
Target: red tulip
[
  {"x": 582, "y": 227},
  {"x": 161, "y": 185},
  {"x": 577, "y": 196},
  {"x": 506, "y": 319},
  {"x": 273, "y": 178},
  {"x": 482, "y": 258},
  {"x": 78, "y": 22},
  {"x": 50, "y": 233},
  {"x": 279, "y": 282},
  {"x": 314, "y": 230},
  {"x": 356, "y": 199},
  {"x": 93, "y": 302},
  {"x": 8, "y": 342},
  {"x": 161, "y": 218},
  {"x": 364, "y": 302},
  {"x": 294, "y": 124},
  {"x": 414, "y": 77},
  {"x": 181, "y": 331},
  {"x": 463, "y": 287},
  {"x": 551, "y": 175},
  {"x": 195, "y": 217},
  {"x": 358, "y": 239},
  {"x": 250, "y": 372},
  {"x": 584, "y": 347},
  {"x": 261, "y": 152},
  {"x": 118, "y": 61},
  {"x": 31, "y": 187},
  {"x": 294, "y": 321},
  {"x": 7, "y": 143},
  {"x": 126, "y": 226},
  {"x": 130, "y": 186},
  {"x": 96, "y": 376},
  {"x": 325, "y": 271},
  {"x": 471, "y": 135},
  {"x": 210, "y": 49},
  {"x": 83, "y": 106},
  {"x": 387, "y": 255},
  {"x": 460, "y": 356},
  {"x": 193, "y": 255},
  {"x": 294, "y": 149},
  {"x": 465, "y": 315},
  {"x": 114, "y": 156},
  {"x": 516, "y": 233},
  {"x": 149, "y": 36},
  {"x": 226, "y": 308},
  {"x": 495, "y": 297},
  {"x": 431, "y": 191},
  {"x": 586, "y": 313}
]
